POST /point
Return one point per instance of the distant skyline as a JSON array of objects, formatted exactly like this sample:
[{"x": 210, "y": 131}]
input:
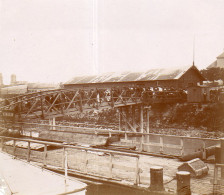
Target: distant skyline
[{"x": 51, "y": 40}]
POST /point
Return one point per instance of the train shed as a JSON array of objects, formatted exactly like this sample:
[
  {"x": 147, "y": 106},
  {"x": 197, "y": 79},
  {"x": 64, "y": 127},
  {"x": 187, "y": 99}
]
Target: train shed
[{"x": 165, "y": 78}]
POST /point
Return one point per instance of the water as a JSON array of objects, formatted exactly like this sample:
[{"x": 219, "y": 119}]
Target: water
[{"x": 108, "y": 189}]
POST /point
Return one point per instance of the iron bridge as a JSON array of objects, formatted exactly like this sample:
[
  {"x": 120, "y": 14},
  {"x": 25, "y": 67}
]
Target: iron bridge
[{"x": 57, "y": 103}]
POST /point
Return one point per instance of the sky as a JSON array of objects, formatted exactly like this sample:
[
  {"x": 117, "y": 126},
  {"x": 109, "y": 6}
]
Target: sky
[{"x": 54, "y": 40}]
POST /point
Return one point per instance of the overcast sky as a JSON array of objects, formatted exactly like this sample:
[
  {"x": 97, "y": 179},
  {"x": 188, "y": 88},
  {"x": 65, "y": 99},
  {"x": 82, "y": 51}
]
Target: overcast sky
[{"x": 51, "y": 40}]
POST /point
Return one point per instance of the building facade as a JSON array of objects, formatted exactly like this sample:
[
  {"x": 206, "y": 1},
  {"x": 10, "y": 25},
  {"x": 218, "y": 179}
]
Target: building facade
[{"x": 219, "y": 63}]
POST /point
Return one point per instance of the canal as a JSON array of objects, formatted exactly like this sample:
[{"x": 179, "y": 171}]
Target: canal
[{"x": 108, "y": 189}]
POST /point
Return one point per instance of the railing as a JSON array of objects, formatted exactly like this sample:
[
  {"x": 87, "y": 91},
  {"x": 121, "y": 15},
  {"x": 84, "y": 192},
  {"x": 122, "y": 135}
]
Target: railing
[
  {"x": 74, "y": 151},
  {"x": 149, "y": 142}
]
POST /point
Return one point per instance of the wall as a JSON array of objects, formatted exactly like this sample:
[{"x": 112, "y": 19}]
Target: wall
[{"x": 189, "y": 79}]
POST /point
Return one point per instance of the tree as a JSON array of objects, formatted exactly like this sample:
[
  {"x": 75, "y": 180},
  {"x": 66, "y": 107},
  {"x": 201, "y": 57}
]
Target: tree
[{"x": 213, "y": 73}]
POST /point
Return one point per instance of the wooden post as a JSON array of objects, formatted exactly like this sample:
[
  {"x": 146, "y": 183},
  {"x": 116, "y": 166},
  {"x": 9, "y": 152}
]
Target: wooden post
[
  {"x": 50, "y": 124},
  {"x": 137, "y": 177},
  {"x": 14, "y": 147},
  {"x": 63, "y": 158},
  {"x": 156, "y": 178},
  {"x": 120, "y": 119},
  {"x": 183, "y": 183},
  {"x": 141, "y": 127},
  {"x": 203, "y": 150},
  {"x": 125, "y": 136},
  {"x": 141, "y": 118},
  {"x": 42, "y": 108},
  {"x": 125, "y": 112},
  {"x": 28, "y": 152},
  {"x": 126, "y": 118},
  {"x": 110, "y": 166},
  {"x": 161, "y": 143},
  {"x": 85, "y": 161},
  {"x": 133, "y": 117},
  {"x": 215, "y": 181},
  {"x": 45, "y": 155},
  {"x": 147, "y": 121},
  {"x": 182, "y": 146},
  {"x": 147, "y": 128},
  {"x": 53, "y": 123},
  {"x": 66, "y": 167},
  {"x": 2, "y": 144},
  {"x": 222, "y": 157}
]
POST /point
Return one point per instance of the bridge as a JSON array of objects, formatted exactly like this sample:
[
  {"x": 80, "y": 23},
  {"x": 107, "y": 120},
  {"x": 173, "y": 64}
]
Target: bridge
[{"x": 57, "y": 103}]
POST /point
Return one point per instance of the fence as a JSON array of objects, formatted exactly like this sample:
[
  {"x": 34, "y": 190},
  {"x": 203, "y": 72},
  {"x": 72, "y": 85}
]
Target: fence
[
  {"x": 97, "y": 162},
  {"x": 149, "y": 142}
]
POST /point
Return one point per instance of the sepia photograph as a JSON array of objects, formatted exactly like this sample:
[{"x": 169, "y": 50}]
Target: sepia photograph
[{"x": 112, "y": 97}]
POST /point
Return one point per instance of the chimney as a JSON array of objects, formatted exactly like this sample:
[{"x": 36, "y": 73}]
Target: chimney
[
  {"x": 1, "y": 80},
  {"x": 13, "y": 79}
]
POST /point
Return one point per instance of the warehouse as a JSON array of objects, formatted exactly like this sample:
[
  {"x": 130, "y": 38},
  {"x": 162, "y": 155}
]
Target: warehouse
[{"x": 164, "y": 78}]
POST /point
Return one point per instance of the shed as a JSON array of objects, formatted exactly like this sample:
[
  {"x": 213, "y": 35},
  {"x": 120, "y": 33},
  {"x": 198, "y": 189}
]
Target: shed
[
  {"x": 165, "y": 78},
  {"x": 198, "y": 94},
  {"x": 13, "y": 90}
]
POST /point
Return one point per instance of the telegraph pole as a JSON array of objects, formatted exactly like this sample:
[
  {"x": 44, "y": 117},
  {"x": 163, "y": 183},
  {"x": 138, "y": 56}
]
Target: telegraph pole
[{"x": 95, "y": 37}]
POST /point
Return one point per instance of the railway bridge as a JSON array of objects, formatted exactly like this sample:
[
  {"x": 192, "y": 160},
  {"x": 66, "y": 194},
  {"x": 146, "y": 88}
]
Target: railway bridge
[{"x": 57, "y": 103}]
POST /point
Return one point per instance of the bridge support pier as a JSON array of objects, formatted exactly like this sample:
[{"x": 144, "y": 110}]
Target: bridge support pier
[
  {"x": 119, "y": 118},
  {"x": 141, "y": 119},
  {"x": 222, "y": 157},
  {"x": 125, "y": 109},
  {"x": 133, "y": 117},
  {"x": 147, "y": 126},
  {"x": 141, "y": 127},
  {"x": 52, "y": 123}
]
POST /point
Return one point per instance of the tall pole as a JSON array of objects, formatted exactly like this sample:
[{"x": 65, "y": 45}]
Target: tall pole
[
  {"x": 194, "y": 50},
  {"x": 95, "y": 37}
]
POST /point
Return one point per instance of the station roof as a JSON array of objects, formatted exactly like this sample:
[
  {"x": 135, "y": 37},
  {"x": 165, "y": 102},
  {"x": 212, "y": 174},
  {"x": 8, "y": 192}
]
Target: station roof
[
  {"x": 149, "y": 75},
  {"x": 42, "y": 85},
  {"x": 221, "y": 55}
]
